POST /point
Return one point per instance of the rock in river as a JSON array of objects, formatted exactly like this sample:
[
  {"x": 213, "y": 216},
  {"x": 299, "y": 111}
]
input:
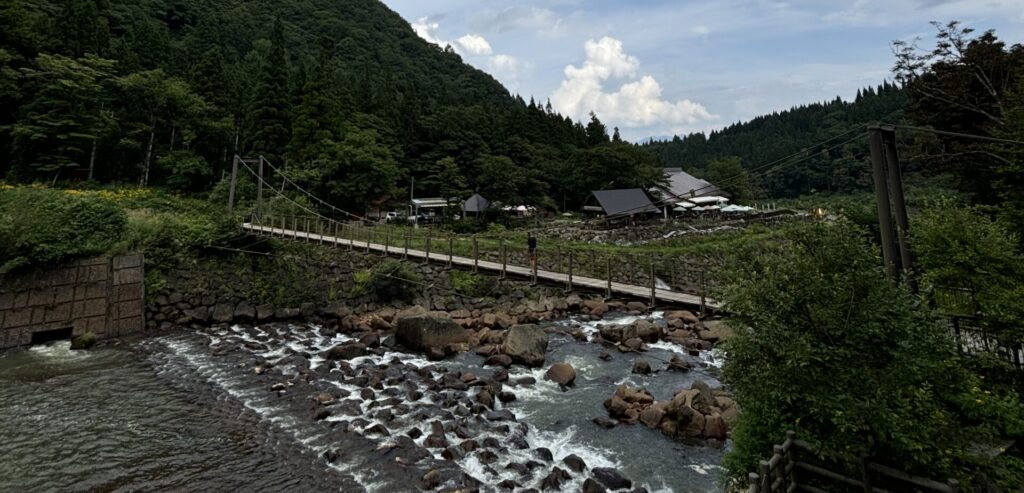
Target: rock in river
[
  {"x": 526, "y": 344},
  {"x": 424, "y": 332},
  {"x": 561, "y": 373}
]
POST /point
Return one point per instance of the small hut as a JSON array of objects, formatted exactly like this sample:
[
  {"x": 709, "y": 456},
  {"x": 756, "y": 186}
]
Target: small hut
[{"x": 477, "y": 203}]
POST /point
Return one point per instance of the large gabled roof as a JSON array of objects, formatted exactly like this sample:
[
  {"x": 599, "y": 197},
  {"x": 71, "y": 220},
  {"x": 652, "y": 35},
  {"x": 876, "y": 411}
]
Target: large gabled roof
[
  {"x": 684, "y": 185},
  {"x": 624, "y": 202}
]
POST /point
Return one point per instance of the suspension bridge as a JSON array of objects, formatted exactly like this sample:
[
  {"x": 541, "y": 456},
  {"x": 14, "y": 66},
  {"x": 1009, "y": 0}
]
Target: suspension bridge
[{"x": 661, "y": 280}]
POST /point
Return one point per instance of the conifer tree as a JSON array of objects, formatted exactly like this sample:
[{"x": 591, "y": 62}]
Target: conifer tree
[{"x": 268, "y": 119}]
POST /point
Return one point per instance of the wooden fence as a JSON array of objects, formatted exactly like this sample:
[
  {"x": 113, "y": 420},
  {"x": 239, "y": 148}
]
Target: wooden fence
[{"x": 795, "y": 467}]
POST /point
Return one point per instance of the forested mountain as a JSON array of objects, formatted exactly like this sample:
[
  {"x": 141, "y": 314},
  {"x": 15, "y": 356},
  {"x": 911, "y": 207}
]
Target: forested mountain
[
  {"x": 720, "y": 155},
  {"x": 343, "y": 93}
]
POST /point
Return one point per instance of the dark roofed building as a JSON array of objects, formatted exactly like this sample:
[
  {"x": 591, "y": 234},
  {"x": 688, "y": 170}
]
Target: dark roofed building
[
  {"x": 477, "y": 203},
  {"x": 623, "y": 202},
  {"x": 684, "y": 185}
]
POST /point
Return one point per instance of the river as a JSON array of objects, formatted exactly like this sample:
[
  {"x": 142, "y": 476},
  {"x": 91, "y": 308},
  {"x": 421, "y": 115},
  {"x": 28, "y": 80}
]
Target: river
[{"x": 198, "y": 411}]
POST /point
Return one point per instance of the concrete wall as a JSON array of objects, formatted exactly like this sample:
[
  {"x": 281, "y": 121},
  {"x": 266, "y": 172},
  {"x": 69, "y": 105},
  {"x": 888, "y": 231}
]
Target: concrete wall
[{"x": 103, "y": 295}]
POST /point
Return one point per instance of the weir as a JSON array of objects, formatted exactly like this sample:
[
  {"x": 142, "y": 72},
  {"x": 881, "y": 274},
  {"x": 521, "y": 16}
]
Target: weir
[{"x": 102, "y": 295}]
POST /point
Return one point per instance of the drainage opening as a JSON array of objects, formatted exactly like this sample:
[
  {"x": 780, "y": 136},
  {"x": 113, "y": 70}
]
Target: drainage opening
[{"x": 44, "y": 336}]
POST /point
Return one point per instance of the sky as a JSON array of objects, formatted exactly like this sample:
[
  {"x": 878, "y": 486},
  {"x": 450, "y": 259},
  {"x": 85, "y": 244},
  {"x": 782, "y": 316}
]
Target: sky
[{"x": 656, "y": 68}]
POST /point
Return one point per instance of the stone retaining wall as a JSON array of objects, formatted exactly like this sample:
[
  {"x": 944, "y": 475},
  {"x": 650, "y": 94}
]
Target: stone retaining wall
[{"x": 102, "y": 295}]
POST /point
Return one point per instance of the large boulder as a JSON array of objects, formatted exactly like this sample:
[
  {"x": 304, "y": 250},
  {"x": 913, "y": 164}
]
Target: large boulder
[
  {"x": 644, "y": 330},
  {"x": 526, "y": 344},
  {"x": 429, "y": 332},
  {"x": 561, "y": 373}
]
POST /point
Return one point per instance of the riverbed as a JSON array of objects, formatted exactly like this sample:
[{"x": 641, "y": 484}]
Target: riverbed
[{"x": 199, "y": 411}]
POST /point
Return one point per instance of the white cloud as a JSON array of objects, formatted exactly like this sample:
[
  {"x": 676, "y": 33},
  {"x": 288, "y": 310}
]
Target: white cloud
[
  {"x": 508, "y": 69},
  {"x": 635, "y": 104},
  {"x": 426, "y": 28},
  {"x": 474, "y": 44},
  {"x": 519, "y": 17}
]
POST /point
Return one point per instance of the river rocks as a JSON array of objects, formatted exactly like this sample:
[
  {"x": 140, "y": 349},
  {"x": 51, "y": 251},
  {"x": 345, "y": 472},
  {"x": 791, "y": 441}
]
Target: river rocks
[
  {"x": 574, "y": 463},
  {"x": 611, "y": 478},
  {"x": 502, "y": 360},
  {"x": 346, "y": 351},
  {"x": 286, "y": 313},
  {"x": 679, "y": 364},
  {"x": 636, "y": 306},
  {"x": 325, "y": 398},
  {"x": 652, "y": 416},
  {"x": 632, "y": 345},
  {"x": 561, "y": 373},
  {"x": 245, "y": 312},
  {"x": 501, "y": 415},
  {"x": 641, "y": 367},
  {"x": 596, "y": 308},
  {"x": 223, "y": 313},
  {"x": 592, "y": 486},
  {"x": 526, "y": 344},
  {"x": 85, "y": 340},
  {"x": 627, "y": 403},
  {"x": 429, "y": 333},
  {"x": 554, "y": 480},
  {"x": 685, "y": 316}
]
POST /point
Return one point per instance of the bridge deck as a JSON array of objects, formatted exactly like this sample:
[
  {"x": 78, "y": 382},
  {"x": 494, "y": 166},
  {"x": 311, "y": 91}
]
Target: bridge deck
[{"x": 660, "y": 295}]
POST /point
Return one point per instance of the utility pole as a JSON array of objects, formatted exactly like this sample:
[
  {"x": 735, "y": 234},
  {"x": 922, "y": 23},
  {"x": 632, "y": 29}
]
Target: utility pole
[
  {"x": 881, "y": 181},
  {"x": 234, "y": 180},
  {"x": 899, "y": 206},
  {"x": 259, "y": 189}
]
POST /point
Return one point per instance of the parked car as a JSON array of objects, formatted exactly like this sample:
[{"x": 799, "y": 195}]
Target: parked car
[
  {"x": 392, "y": 217},
  {"x": 420, "y": 218}
]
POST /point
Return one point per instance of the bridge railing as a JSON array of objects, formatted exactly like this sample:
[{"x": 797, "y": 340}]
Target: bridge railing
[{"x": 575, "y": 262}]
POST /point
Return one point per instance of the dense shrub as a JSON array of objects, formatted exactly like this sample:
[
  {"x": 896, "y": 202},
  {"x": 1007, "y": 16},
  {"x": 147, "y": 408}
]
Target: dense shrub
[
  {"x": 390, "y": 280},
  {"x": 828, "y": 347},
  {"x": 185, "y": 171},
  {"x": 470, "y": 284},
  {"x": 40, "y": 226}
]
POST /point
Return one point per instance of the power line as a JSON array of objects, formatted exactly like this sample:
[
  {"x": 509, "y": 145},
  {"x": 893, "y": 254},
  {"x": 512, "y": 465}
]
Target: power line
[
  {"x": 304, "y": 191},
  {"x": 959, "y": 134}
]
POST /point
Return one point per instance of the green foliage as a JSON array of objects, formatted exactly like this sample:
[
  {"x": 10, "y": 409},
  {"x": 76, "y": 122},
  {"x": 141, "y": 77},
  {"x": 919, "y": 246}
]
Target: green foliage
[
  {"x": 42, "y": 226},
  {"x": 185, "y": 171},
  {"x": 59, "y": 127},
  {"x": 470, "y": 284},
  {"x": 960, "y": 247},
  {"x": 728, "y": 173},
  {"x": 391, "y": 280},
  {"x": 828, "y": 347}
]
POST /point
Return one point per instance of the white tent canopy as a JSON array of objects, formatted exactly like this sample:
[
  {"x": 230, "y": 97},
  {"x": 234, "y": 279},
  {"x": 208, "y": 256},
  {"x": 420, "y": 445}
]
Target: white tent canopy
[
  {"x": 736, "y": 208},
  {"x": 710, "y": 199}
]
